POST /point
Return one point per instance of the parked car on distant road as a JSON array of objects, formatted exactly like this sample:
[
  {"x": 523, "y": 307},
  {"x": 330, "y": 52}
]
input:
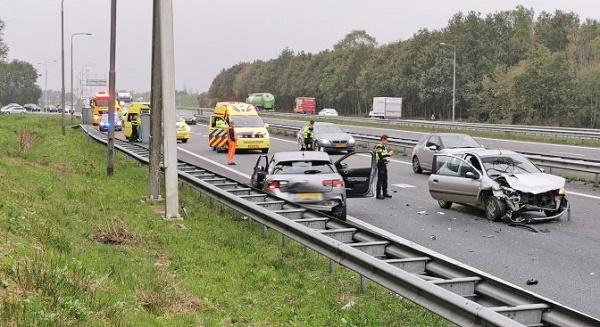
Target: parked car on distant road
[
  {"x": 505, "y": 184},
  {"x": 31, "y": 107},
  {"x": 330, "y": 112},
  {"x": 328, "y": 137},
  {"x": 50, "y": 108},
  {"x": 422, "y": 154},
  {"x": 189, "y": 118},
  {"x": 104, "y": 124},
  {"x": 312, "y": 180},
  {"x": 12, "y": 108}
]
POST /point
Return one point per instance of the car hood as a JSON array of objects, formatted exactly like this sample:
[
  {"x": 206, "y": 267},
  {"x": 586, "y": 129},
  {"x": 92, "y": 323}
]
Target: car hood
[
  {"x": 533, "y": 183},
  {"x": 333, "y": 136}
]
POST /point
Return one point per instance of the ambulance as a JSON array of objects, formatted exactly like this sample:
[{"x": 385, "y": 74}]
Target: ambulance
[
  {"x": 251, "y": 131},
  {"x": 99, "y": 106}
]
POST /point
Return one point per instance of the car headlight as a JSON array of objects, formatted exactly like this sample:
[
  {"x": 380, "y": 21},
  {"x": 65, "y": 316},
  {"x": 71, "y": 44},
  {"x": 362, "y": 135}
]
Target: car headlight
[
  {"x": 324, "y": 141},
  {"x": 351, "y": 140},
  {"x": 561, "y": 191}
]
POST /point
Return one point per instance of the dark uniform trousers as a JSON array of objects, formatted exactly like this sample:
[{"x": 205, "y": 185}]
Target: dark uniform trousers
[{"x": 382, "y": 179}]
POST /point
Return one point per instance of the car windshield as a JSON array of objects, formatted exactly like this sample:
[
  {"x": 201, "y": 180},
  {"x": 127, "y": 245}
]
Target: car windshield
[
  {"x": 508, "y": 164},
  {"x": 328, "y": 129},
  {"x": 459, "y": 141},
  {"x": 247, "y": 121},
  {"x": 102, "y": 102},
  {"x": 303, "y": 167}
]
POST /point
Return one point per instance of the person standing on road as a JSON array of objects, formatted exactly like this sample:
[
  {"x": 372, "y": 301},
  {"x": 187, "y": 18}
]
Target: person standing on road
[
  {"x": 231, "y": 143},
  {"x": 382, "y": 154},
  {"x": 308, "y": 135}
]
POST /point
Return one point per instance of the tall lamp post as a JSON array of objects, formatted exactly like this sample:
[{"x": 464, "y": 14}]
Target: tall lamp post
[
  {"x": 62, "y": 65},
  {"x": 453, "y": 77},
  {"x": 45, "y": 63},
  {"x": 72, "y": 96}
]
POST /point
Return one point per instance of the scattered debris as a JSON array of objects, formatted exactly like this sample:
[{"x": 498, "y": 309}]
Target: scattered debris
[
  {"x": 422, "y": 212},
  {"x": 532, "y": 281},
  {"x": 524, "y": 226},
  {"x": 544, "y": 230},
  {"x": 441, "y": 213},
  {"x": 349, "y": 305},
  {"x": 433, "y": 237},
  {"x": 408, "y": 204},
  {"x": 488, "y": 236},
  {"x": 449, "y": 229}
]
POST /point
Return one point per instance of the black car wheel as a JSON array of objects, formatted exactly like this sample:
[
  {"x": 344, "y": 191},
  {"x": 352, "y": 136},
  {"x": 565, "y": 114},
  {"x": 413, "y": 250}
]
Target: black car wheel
[
  {"x": 339, "y": 212},
  {"x": 494, "y": 208},
  {"x": 416, "y": 165}
]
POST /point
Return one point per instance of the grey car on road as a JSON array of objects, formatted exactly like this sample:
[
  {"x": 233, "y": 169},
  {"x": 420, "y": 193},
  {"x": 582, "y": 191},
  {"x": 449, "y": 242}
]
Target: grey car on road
[
  {"x": 431, "y": 144},
  {"x": 505, "y": 184},
  {"x": 328, "y": 137},
  {"x": 310, "y": 178}
]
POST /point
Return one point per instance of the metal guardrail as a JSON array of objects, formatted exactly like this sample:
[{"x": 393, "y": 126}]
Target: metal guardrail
[
  {"x": 444, "y": 286},
  {"x": 571, "y": 132},
  {"x": 561, "y": 165}
]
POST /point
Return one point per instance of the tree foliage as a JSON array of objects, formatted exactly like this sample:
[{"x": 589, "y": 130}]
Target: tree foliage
[
  {"x": 17, "y": 83},
  {"x": 512, "y": 67}
]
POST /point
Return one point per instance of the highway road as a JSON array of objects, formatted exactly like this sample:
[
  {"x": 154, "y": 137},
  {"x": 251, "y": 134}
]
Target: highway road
[
  {"x": 562, "y": 257},
  {"x": 573, "y": 151}
]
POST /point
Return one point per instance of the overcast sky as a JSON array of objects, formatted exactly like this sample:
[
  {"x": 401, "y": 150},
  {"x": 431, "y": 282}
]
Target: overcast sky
[{"x": 211, "y": 35}]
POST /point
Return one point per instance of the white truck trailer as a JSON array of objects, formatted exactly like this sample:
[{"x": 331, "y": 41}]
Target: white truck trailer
[{"x": 386, "y": 108}]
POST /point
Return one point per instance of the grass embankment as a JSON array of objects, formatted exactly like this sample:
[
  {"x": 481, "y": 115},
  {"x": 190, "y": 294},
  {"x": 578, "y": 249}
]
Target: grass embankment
[
  {"x": 78, "y": 248},
  {"x": 495, "y": 135}
]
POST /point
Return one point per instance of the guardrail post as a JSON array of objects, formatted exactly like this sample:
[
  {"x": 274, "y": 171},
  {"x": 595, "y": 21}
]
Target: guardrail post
[
  {"x": 284, "y": 240},
  {"x": 331, "y": 266},
  {"x": 264, "y": 231},
  {"x": 364, "y": 283}
]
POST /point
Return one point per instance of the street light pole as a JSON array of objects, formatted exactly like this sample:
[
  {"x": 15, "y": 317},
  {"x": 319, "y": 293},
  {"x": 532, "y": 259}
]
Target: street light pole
[
  {"x": 45, "y": 63},
  {"x": 72, "y": 96},
  {"x": 453, "y": 78},
  {"x": 62, "y": 65},
  {"x": 110, "y": 164}
]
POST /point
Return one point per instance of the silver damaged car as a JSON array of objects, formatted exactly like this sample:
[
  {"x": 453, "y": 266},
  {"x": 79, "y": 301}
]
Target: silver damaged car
[
  {"x": 431, "y": 144},
  {"x": 505, "y": 184},
  {"x": 310, "y": 178}
]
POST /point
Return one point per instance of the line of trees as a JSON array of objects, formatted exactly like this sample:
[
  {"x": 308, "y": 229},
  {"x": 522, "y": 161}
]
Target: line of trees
[
  {"x": 17, "y": 78},
  {"x": 512, "y": 67}
]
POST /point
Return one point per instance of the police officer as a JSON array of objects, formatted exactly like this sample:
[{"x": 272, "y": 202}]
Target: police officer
[
  {"x": 382, "y": 154},
  {"x": 220, "y": 123},
  {"x": 308, "y": 135}
]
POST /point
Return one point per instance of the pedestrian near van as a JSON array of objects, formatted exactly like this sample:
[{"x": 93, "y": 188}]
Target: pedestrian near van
[
  {"x": 308, "y": 135},
  {"x": 231, "y": 143},
  {"x": 382, "y": 155}
]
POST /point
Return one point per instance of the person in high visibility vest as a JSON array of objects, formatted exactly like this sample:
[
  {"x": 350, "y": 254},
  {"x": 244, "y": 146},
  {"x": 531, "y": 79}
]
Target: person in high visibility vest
[
  {"x": 231, "y": 143},
  {"x": 308, "y": 135},
  {"x": 382, "y": 155},
  {"x": 220, "y": 123}
]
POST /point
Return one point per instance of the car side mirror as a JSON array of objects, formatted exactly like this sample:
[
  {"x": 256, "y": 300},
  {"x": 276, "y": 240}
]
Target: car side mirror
[
  {"x": 433, "y": 147},
  {"x": 472, "y": 175},
  {"x": 259, "y": 168}
]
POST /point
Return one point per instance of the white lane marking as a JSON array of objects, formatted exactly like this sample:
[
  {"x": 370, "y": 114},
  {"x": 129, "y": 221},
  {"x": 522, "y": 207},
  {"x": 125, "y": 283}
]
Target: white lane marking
[
  {"x": 288, "y": 141},
  {"x": 283, "y": 140},
  {"x": 595, "y": 197},
  {"x": 403, "y": 185},
  {"x": 569, "y": 153},
  {"x": 213, "y": 162}
]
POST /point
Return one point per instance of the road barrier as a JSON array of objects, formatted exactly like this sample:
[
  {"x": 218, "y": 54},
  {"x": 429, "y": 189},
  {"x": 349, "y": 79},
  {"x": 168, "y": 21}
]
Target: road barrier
[{"x": 455, "y": 291}]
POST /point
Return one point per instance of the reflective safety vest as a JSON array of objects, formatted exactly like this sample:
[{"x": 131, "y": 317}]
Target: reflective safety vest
[
  {"x": 381, "y": 154},
  {"x": 217, "y": 137},
  {"x": 220, "y": 124},
  {"x": 308, "y": 133}
]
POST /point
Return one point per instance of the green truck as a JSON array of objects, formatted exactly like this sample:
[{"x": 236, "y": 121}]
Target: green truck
[{"x": 262, "y": 101}]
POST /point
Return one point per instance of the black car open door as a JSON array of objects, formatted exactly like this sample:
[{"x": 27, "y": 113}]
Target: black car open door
[
  {"x": 358, "y": 170},
  {"x": 260, "y": 171}
]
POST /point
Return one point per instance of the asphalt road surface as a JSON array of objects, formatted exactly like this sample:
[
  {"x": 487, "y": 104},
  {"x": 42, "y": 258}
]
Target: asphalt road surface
[
  {"x": 563, "y": 256},
  {"x": 573, "y": 151}
]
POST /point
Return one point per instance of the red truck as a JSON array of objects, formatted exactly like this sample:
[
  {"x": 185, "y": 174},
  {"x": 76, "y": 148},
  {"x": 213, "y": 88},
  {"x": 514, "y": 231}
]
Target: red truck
[{"x": 305, "y": 105}]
